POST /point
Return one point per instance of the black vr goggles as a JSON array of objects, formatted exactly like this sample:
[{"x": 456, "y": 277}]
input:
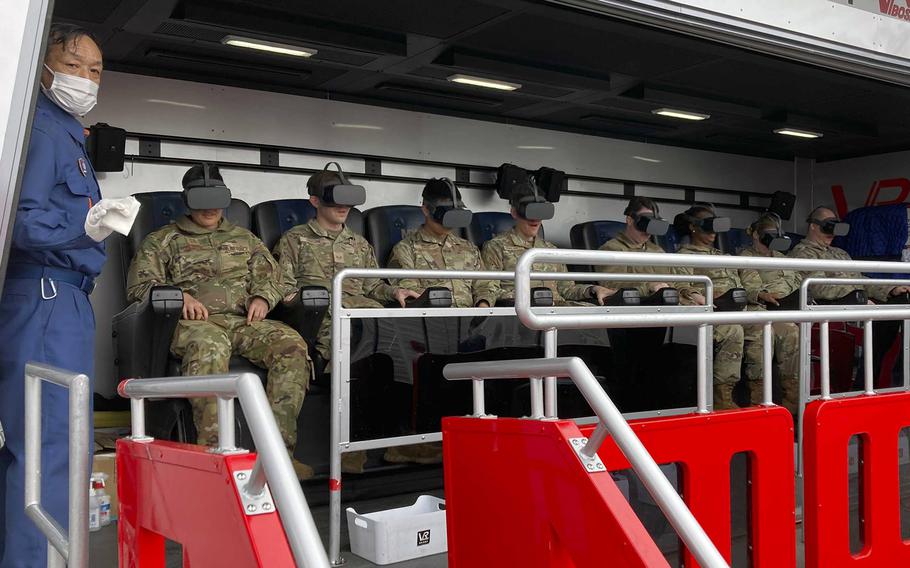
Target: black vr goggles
[
  {"x": 454, "y": 216},
  {"x": 533, "y": 206},
  {"x": 711, "y": 224},
  {"x": 342, "y": 194},
  {"x": 206, "y": 192},
  {"x": 832, "y": 226}
]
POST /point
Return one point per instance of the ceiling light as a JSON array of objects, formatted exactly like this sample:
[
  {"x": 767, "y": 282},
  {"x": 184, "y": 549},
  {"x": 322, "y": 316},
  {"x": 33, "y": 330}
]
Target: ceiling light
[
  {"x": 536, "y": 147},
  {"x": 798, "y": 133},
  {"x": 174, "y": 103},
  {"x": 644, "y": 159},
  {"x": 683, "y": 114},
  {"x": 481, "y": 82},
  {"x": 270, "y": 46},
  {"x": 357, "y": 126}
]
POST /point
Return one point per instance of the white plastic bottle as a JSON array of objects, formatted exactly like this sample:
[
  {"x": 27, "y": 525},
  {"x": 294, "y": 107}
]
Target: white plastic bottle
[
  {"x": 94, "y": 509},
  {"x": 104, "y": 500}
]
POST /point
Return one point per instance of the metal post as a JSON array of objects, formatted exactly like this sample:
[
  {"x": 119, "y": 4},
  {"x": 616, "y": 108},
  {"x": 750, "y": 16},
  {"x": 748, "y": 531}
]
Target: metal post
[
  {"x": 537, "y": 398},
  {"x": 597, "y": 438},
  {"x": 867, "y": 358},
  {"x": 767, "y": 359},
  {"x": 824, "y": 362},
  {"x": 550, "y": 392},
  {"x": 226, "y": 435},
  {"x": 479, "y": 404},
  {"x": 257, "y": 481},
  {"x": 701, "y": 361}
]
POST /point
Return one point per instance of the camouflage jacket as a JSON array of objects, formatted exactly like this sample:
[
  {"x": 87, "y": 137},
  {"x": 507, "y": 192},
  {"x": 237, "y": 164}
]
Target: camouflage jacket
[
  {"x": 779, "y": 282},
  {"x": 622, "y": 243},
  {"x": 809, "y": 249},
  {"x": 313, "y": 256},
  {"x": 502, "y": 252},
  {"x": 223, "y": 268},
  {"x": 422, "y": 250},
  {"x": 723, "y": 278}
]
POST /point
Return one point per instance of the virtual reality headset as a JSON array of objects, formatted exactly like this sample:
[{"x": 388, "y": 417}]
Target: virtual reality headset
[
  {"x": 206, "y": 192},
  {"x": 534, "y": 210},
  {"x": 451, "y": 214},
  {"x": 774, "y": 240},
  {"x": 712, "y": 224},
  {"x": 650, "y": 223},
  {"x": 832, "y": 226},
  {"x": 344, "y": 194}
]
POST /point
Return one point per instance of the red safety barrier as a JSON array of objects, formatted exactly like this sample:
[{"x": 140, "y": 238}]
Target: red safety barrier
[
  {"x": 702, "y": 446},
  {"x": 186, "y": 494},
  {"x": 517, "y": 495},
  {"x": 829, "y": 425}
]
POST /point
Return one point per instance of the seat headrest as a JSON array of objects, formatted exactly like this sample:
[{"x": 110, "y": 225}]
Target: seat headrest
[
  {"x": 795, "y": 238},
  {"x": 271, "y": 219},
  {"x": 733, "y": 241},
  {"x": 669, "y": 242},
  {"x": 159, "y": 208},
  {"x": 484, "y": 226},
  {"x": 387, "y": 225},
  {"x": 593, "y": 234}
]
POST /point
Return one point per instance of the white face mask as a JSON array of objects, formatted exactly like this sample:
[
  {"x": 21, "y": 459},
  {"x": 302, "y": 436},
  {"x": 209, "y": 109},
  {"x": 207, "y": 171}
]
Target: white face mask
[{"x": 75, "y": 95}]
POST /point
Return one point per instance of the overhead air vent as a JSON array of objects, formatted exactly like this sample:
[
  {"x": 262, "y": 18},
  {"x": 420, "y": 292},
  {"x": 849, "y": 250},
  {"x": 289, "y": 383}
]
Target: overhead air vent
[
  {"x": 420, "y": 92},
  {"x": 626, "y": 126},
  {"x": 188, "y": 31},
  {"x": 194, "y": 59}
]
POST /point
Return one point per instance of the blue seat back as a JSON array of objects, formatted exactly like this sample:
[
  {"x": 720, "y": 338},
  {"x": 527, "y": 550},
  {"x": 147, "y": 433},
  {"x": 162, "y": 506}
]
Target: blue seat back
[
  {"x": 271, "y": 219},
  {"x": 387, "y": 225}
]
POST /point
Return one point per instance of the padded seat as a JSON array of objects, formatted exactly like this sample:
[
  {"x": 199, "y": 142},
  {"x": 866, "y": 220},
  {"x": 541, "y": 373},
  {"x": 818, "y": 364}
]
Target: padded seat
[
  {"x": 484, "y": 226},
  {"x": 593, "y": 234},
  {"x": 794, "y": 239},
  {"x": 271, "y": 219},
  {"x": 669, "y": 242},
  {"x": 733, "y": 241},
  {"x": 387, "y": 225}
]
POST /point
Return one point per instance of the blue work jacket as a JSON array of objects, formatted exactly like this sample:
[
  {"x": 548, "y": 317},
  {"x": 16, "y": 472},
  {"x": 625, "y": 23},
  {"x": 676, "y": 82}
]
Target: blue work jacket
[{"x": 58, "y": 189}]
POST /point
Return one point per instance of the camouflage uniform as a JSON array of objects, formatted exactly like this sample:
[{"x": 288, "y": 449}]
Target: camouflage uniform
[
  {"x": 622, "y": 243},
  {"x": 422, "y": 250},
  {"x": 225, "y": 269},
  {"x": 786, "y": 335},
  {"x": 810, "y": 249},
  {"x": 313, "y": 255},
  {"x": 502, "y": 252},
  {"x": 728, "y": 339}
]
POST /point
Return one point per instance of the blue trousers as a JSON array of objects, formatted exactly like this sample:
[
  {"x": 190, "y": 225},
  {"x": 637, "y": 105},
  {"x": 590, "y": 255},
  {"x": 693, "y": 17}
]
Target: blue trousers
[{"x": 59, "y": 331}]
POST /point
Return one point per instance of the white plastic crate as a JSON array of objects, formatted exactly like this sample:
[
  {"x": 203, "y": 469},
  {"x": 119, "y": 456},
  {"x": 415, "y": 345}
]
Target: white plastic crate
[{"x": 399, "y": 534}]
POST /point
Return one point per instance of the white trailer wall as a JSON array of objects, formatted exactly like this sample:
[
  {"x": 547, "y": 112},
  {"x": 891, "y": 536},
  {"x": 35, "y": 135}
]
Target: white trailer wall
[{"x": 163, "y": 106}]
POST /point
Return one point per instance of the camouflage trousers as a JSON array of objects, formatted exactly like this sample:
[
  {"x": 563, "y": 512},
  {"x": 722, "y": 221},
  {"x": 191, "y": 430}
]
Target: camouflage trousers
[
  {"x": 324, "y": 335},
  {"x": 728, "y": 358},
  {"x": 205, "y": 348},
  {"x": 786, "y": 362}
]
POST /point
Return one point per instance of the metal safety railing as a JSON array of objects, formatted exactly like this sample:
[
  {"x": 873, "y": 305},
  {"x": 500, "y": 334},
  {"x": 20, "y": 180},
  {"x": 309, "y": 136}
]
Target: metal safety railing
[
  {"x": 543, "y": 400},
  {"x": 66, "y": 547},
  {"x": 612, "y": 423},
  {"x": 273, "y": 464}
]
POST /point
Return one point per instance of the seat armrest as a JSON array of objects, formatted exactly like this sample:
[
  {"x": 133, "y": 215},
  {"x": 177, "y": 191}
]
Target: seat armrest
[
  {"x": 541, "y": 297},
  {"x": 432, "y": 297},
  {"x": 855, "y": 298},
  {"x": 624, "y": 297},
  {"x": 305, "y": 312},
  {"x": 663, "y": 297},
  {"x": 143, "y": 331},
  {"x": 734, "y": 299}
]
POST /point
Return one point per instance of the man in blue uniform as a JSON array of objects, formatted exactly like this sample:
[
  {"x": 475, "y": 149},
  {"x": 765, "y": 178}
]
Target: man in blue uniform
[{"x": 45, "y": 311}]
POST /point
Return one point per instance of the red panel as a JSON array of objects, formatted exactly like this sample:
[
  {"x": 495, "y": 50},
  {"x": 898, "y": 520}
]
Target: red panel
[
  {"x": 517, "y": 495},
  {"x": 703, "y": 446},
  {"x": 186, "y": 494},
  {"x": 829, "y": 426}
]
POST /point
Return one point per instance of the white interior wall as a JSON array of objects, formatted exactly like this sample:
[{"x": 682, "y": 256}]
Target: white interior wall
[
  {"x": 179, "y": 108},
  {"x": 884, "y": 174}
]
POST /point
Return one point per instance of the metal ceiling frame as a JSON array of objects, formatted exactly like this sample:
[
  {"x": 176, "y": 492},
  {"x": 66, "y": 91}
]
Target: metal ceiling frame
[{"x": 755, "y": 36}]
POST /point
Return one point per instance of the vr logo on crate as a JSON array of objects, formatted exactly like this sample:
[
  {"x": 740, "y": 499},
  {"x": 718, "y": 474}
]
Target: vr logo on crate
[{"x": 423, "y": 537}]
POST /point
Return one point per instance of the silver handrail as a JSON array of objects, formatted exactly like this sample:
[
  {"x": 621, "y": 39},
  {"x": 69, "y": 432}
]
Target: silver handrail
[
  {"x": 272, "y": 463},
  {"x": 543, "y": 400},
  {"x": 540, "y": 321},
  {"x": 65, "y": 547},
  {"x": 612, "y": 422}
]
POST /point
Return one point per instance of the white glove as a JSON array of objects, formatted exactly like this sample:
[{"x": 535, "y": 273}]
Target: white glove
[{"x": 111, "y": 215}]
